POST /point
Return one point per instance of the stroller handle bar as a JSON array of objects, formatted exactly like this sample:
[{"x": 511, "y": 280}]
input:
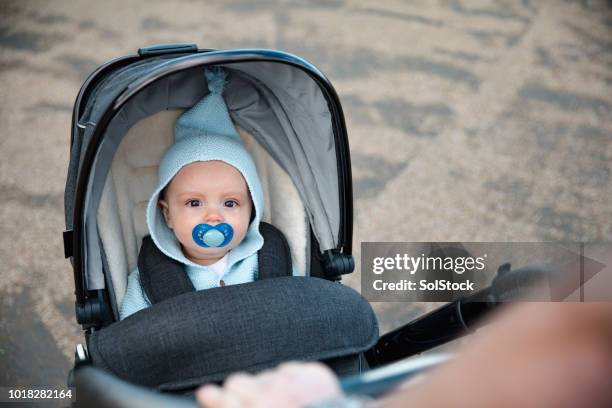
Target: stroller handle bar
[
  {"x": 379, "y": 381},
  {"x": 99, "y": 389}
]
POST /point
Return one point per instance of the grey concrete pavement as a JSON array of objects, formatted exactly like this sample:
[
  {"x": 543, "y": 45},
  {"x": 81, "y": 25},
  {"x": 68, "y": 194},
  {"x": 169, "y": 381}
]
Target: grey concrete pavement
[{"x": 468, "y": 121}]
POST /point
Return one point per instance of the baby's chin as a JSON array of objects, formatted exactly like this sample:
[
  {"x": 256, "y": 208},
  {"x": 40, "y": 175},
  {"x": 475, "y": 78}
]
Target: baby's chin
[{"x": 205, "y": 254}]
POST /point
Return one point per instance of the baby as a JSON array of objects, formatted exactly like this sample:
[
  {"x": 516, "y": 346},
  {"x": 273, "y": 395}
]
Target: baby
[{"x": 205, "y": 213}]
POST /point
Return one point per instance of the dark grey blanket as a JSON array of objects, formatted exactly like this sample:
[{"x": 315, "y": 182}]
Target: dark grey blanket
[{"x": 204, "y": 336}]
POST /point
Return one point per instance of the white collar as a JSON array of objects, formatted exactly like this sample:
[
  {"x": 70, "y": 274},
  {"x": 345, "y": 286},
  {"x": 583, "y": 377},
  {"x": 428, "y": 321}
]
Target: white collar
[{"x": 220, "y": 267}]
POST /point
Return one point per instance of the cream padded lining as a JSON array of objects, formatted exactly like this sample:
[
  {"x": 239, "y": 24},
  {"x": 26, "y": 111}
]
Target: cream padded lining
[{"x": 133, "y": 177}]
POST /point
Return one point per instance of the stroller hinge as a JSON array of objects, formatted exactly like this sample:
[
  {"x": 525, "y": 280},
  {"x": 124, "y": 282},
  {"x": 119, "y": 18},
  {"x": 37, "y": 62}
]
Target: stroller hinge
[
  {"x": 68, "y": 235},
  {"x": 337, "y": 264},
  {"x": 91, "y": 313}
]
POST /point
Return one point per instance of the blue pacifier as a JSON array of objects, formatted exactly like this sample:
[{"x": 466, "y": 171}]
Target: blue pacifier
[{"x": 212, "y": 236}]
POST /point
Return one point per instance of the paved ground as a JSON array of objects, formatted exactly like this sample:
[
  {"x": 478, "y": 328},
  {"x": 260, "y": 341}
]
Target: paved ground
[{"x": 468, "y": 121}]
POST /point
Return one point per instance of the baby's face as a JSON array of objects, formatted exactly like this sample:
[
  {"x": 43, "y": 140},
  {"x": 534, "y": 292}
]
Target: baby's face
[{"x": 210, "y": 192}]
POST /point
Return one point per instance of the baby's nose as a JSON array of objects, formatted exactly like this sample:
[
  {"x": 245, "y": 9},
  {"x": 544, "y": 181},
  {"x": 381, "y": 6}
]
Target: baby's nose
[{"x": 212, "y": 216}]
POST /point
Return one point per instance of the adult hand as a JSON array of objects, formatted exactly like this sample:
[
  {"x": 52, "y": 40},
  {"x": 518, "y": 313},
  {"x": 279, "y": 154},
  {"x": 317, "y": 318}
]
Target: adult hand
[{"x": 290, "y": 385}]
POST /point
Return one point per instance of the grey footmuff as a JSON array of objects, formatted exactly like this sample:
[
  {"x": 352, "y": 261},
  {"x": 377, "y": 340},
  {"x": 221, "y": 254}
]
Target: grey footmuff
[{"x": 246, "y": 327}]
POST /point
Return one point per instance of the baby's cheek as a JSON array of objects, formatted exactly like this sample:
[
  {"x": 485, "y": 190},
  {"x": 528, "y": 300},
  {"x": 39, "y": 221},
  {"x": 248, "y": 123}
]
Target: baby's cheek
[
  {"x": 184, "y": 237},
  {"x": 240, "y": 231}
]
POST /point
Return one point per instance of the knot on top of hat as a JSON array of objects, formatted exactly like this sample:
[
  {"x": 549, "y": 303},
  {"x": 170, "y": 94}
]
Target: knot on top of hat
[
  {"x": 216, "y": 79},
  {"x": 209, "y": 116}
]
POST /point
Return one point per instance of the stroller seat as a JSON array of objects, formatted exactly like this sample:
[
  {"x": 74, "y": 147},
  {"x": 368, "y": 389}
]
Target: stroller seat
[{"x": 133, "y": 177}]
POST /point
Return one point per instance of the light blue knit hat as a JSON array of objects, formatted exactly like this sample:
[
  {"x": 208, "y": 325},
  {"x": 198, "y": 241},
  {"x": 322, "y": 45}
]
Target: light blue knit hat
[{"x": 203, "y": 133}]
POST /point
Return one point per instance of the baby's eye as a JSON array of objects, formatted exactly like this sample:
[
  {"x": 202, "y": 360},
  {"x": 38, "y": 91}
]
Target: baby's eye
[
  {"x": 230, "y": 203},
  {"x": 194, "y": 203}
]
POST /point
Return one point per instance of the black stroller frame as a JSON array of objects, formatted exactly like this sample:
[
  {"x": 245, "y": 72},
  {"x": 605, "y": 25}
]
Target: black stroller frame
[{"x": 92, "y": 307}]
